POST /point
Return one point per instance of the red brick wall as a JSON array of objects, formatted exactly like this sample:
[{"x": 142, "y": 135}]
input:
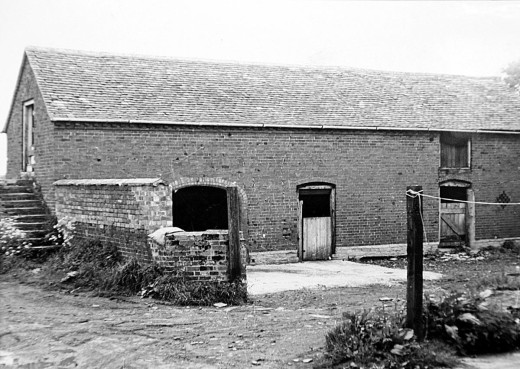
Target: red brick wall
[
  {"x": 495, "y": 169},
  {"x": 43, "y": 133},
  {"x": 201, "y": 256},
  {"x": 120, "y": 213},
  {"x": 370, "y": 170}
]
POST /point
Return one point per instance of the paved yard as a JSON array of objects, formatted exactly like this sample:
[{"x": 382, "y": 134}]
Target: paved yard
[{"x": 334, "y": 273}]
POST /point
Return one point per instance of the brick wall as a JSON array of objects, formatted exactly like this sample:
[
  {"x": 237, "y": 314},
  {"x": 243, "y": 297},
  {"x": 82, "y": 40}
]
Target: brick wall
[
  {"x": 495, "y": 169},
  {"x": 122, "y": 211},
  {"x": 43, "y": 135},
  {"x": 199, "y": 256},
  {"x": 370, "y": 170}
]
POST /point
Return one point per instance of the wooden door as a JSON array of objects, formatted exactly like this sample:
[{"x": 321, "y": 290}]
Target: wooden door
[
  {"x": 28, "y": 137},
  {"x": 317, "y": 238},
  {"x": 453, "y": 223},
  {"x": 316, "y": 209}
]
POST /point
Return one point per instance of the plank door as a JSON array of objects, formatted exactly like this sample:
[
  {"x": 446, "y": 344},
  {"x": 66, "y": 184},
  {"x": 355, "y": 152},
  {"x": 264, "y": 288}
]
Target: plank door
[
  {"x": 316, "y": 222},
  {"x": 28, "y": 137},
  {"x": 453, "y": 222},
  {"x": 317, "y": 238}
]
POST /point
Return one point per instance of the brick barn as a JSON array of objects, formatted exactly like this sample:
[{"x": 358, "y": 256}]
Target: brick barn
[{"x": 320, "y": 157}]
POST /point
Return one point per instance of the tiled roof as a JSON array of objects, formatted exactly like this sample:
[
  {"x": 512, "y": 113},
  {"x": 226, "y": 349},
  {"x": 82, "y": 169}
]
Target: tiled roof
[{"x": 94, "y": 86}]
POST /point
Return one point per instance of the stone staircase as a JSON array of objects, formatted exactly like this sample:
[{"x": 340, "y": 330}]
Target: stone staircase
[{"x": 20, "y": 201}]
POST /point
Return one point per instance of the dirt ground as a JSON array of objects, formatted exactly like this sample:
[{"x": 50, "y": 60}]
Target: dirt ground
[
  {"x": 48, "y": 329},
  {"x": 43, "y": 328}
]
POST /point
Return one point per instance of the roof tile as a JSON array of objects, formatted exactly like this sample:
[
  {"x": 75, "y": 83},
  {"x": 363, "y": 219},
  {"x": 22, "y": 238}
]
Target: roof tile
[{"x": 93, "y": 86}]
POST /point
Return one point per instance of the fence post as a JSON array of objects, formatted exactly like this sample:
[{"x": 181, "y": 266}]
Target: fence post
[
  {"x": 234, "y": 256},
  {"x": 414, "y": 308},
  {"x": 470, "y": 211}
]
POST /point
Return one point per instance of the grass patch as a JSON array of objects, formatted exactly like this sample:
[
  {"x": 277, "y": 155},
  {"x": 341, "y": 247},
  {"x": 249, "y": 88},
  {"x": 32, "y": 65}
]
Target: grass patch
[
  {"x": 455, "y": 325},
  {"x": 99, "y": 267},
  {"x": 508, "y": 278},
  {"x": 377, "y": 339},
  {"x": 203, "y": 293}
]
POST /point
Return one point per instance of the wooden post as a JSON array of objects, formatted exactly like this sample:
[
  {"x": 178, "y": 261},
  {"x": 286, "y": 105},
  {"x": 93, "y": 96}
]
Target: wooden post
[
  {"x": 300, "y": 231},
  {"x": 414, "y": 308},
  {"x": 234, "y": 255},
  {"x": 471, "y": 219}
]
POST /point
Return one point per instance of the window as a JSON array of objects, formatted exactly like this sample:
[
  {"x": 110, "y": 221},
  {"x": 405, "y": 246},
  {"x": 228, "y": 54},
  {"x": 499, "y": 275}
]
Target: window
[{"x": 455, "y": 150}]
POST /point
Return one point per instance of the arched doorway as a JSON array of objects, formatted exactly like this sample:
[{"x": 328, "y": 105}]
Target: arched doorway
[{"x": 198, "y": 208}]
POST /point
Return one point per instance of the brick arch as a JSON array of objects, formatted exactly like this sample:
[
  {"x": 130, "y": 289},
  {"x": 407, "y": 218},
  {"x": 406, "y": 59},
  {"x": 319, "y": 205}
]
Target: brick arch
[
  {"x": 315, "y": 183},
  {"x": 219, "y": 183},
  {"x": 315, "y": 180}
]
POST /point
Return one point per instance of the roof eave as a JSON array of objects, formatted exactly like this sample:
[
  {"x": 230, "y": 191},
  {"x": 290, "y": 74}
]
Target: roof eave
[
  {"x": 279, "y": 126},
  {"x": 20, "y": 72}
]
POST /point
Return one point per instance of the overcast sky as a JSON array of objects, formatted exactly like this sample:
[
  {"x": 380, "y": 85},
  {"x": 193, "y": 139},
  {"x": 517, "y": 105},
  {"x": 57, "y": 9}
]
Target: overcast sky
[{"x": 467, "y": 37}]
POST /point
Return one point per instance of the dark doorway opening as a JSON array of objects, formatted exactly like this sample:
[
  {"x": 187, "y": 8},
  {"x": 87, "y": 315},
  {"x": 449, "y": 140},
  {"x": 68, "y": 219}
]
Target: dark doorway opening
[
  {"x": 315, "y": 204},
  {"x": 456, "y": 193},
  {"x": 199, "y": 208}
]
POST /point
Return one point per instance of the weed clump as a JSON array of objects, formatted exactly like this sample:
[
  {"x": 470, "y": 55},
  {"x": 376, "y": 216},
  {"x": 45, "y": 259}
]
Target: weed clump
[
  {"x": 181, "y": 291},
  {"x": 469, "y": 323},
  {"x": 97, "y": 266},
  {"x": 377, "y": 339}
]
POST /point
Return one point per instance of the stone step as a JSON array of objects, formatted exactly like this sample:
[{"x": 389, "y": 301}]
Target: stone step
[
  {"x": 31, "y": 226},
  {"x": 8, "y": 204},
  {"x": 8, "y": 196},
  {"x": 19, "y": 202},
  {"x": 16, "y": 189},
  {"x": 34, "y": 240},
  {"x": 42, "y": 218},
  {"x": 22, "y": 211},
  {"x": 38, "y": 233}
]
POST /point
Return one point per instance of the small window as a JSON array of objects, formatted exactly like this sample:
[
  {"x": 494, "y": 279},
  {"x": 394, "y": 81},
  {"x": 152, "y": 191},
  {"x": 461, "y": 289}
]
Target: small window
[{"x": 455, "y": 150}]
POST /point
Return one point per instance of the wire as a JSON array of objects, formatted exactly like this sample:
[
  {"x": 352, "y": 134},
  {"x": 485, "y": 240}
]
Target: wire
[
  {"x": 422, "y": 220},
  {"x": 413, "y": 194}
]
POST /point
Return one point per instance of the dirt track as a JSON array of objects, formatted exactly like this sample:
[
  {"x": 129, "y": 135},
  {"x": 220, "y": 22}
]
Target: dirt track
[{"x": 51, "y": 329}]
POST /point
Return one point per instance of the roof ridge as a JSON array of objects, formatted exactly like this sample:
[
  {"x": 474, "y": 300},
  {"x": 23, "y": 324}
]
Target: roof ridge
[{"x": 310, "y": 68}]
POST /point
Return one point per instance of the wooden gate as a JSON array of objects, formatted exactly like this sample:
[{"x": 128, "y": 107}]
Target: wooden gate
[
  {"x": 453, "y": 223},
  {"x": 317, "y": 238}
]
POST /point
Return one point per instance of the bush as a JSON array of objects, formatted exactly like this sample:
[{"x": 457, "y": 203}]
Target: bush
[
  {"x": 12, "y": 240},
  {"x": 85, "y": 263},
  {"x": 467, "y": 322},
  {"x": 61, "y": 231},
  {"x": 376, "y": 339}
]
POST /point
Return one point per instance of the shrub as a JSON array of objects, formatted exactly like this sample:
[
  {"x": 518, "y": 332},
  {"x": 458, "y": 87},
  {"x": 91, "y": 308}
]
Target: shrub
[
  {"x": 467, "y": 322},
  {"x": 12, "y": 240},
  {"x": 91, "y": 262},
  {"x": 376, "y": 339},
  {"x": 62, "y": 231}
]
